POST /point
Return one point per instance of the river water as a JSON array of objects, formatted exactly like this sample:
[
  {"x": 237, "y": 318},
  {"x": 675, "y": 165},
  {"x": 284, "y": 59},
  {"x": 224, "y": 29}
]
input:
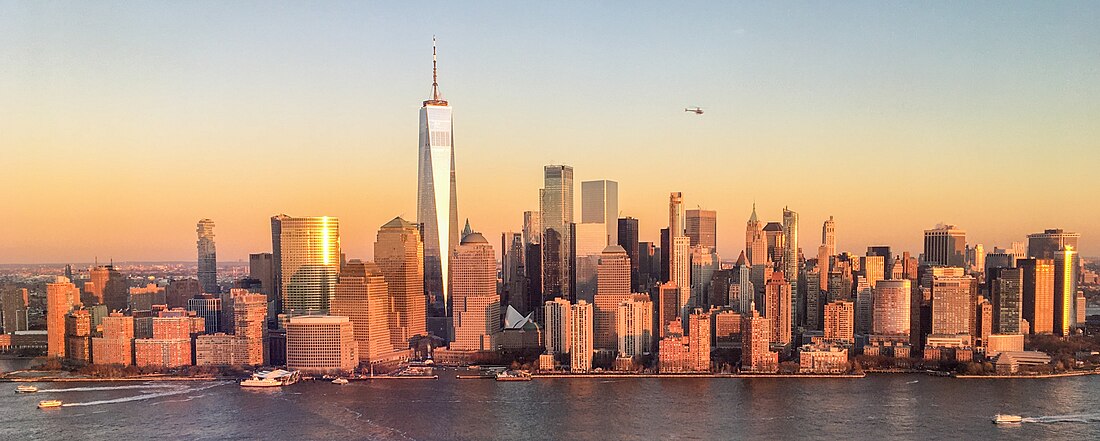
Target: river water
[{"x": 876, "y": 407}]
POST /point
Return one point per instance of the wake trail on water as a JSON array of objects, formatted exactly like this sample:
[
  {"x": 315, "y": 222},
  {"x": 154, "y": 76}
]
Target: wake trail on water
[
  {"x": 144, "y": 396},
  {"x": 1081, "y": 418},
  {"x": 100, "y": 388}
]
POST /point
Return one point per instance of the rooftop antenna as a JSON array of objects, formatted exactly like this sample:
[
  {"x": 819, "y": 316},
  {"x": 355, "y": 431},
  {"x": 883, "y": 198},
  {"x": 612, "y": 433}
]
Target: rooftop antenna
[{"x": 435, "y": 75}]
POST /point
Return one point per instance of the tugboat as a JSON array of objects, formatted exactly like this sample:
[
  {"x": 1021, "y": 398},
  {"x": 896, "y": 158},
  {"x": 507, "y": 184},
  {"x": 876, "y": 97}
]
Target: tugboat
[
  {"x": 25, "y": 389},
  {"x": 1007, "y": 419},
  {"x": 49, "y": 404}
]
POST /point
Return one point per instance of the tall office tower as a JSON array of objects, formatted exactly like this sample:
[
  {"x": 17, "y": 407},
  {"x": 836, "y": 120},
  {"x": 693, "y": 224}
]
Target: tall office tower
[
  {"x": 999, "y": 258},
  {"x": 634, "y": 326},
  {"x": 887, "y": 259},
  {"x": 975, "y": 258},
  {"x": 532, "y": 227},
  {"x": 321, "y": 344},
  {"x": 776, "y": 243},
  {"x": 363, "y": 297},
  {"x": 436, "y": 200},
  {"x": 746, "y": 290},
  {"x": 814, "y": 308},
  {"x": 209, "y": 307},
  {"x": 756, "y": 245},
  {"x": 613, "y": 281},
  {"x": 1018, "y": 250},
  {"x": 699, "y": 328},
  {"x": 874, "y": 268},
  {"x": 600, "y": 205},
  {"x": 704, "y": 263},
  {"x": 556, "y": 329},
  {"x": 676, "y": 214},
  {"x": 1049, "y": 243},
  {"x": 513, "y": 273},
  {"x": 791, "y": 266},
  {"x": 681, "y": 272},
  {"x": 756, "y": 334},
  {"x": 649, "y": 266},
  {"x": 580, "y": 337},
  {"x": 589, "y": 240},
  {"x": 864, "y": 308},
  {"x": 1006, "y": 286},
  {"x": 61, "y": 297},
  {"x": 945, "y": 245},
  {"x": 261, "y": 267},
  {"x": 701, "y": 227},
  {"x": 556, "y": 202},
  {"x": 306, "y": 251},
  {"x": 16, "y": 304},
  {"x": 208, "y": 257},
  {"x": 116, "y": 346},
  {"x": 628, "y": 239},
  {"x": 839, "y": 322},
  {"x": 474, "y": 290},
  {"x": 78, "y": 335},
  {"x": 828, "y": 236},
  {"x": 777, "y": 304},
  {"x": 665, "y": 249},
  {"x": 250, "y": 326},
  {"x": 109, "y": 287},
  {"x": 1065, "y": 290},
  {"x": 1038, "y": 294},
  {"x": 668, "y": 306},
  {"x": 179, "y": 291},
  {"x": 399, "y": 254},
  {"x": 891, "y": 305},
  {"x": 952, "y": 306},
  {"x": 985, "y": 320}
]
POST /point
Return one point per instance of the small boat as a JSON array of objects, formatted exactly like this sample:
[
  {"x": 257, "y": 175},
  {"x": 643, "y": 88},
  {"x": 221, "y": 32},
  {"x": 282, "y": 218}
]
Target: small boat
[
  {"x": 1007, "y": 419},
  {"x": 513, "y": 376},
  {"x": 49, "y": 404},
  {"x": 339, "y": 380},
  {"x": 26, "y": 389}
]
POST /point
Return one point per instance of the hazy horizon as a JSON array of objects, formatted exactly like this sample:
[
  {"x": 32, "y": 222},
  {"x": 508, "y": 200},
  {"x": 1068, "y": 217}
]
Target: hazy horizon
[{"x": 123, "y": 124}]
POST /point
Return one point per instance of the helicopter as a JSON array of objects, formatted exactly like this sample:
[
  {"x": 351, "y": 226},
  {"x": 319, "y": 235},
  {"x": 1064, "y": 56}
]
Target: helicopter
[{"x": 696, "y": 110}]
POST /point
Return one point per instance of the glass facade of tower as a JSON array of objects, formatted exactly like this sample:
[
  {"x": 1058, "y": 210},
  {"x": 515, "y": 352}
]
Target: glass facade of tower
[
  {"x": 436, "y": 201},
  {"x": 307, "y": 259},
  {"x": 208, "y": 257},
  {"x": 556, "y": 205}
]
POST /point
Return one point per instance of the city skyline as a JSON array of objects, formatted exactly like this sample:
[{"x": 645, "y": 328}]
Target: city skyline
[{"x": 872, "y": 121}]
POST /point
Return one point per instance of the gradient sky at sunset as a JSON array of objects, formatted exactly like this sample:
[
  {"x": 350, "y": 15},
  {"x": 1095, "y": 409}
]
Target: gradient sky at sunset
[{"x": 122, "y": 124}]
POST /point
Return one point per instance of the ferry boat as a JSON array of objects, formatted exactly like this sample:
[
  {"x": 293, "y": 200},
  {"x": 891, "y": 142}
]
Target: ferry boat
[
  {"x": 26, "y": 389},
  {"x": 275, "y": 378},
  {"x": 513, "y": 376},
  {"x": 340, "y": 381},
  {"x": 1007, "y": 419},
  {"x": 49, "y": 404}
]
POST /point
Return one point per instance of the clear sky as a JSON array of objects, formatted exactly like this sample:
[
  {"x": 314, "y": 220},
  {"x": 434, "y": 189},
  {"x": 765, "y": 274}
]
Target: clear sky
[{"x": 122, "y": 124}]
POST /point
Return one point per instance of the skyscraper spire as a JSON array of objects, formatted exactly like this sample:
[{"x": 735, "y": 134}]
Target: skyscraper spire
[{"x": 436, "y": 96}]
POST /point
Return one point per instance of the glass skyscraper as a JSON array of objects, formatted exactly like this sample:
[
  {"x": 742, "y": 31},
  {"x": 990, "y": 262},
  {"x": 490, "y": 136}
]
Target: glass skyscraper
[
  {"x": 556, "y": 206},
  {"x": 307, "y": 261},
  {"x": 436, "y": 202},
  {"x": 208, "y": 257}
]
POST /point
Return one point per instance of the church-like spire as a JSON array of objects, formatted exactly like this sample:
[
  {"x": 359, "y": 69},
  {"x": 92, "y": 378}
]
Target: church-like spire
[{"x": 753, "y": 218}]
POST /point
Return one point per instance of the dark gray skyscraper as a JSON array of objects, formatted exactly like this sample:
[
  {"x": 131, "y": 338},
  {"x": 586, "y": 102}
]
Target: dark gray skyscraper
[
  {"x": 945, "y": 245},
  {"x": 791, "y": 266},
  {"x": 208, "y": 257},
  {"x": 628, "y": 239},
  {"x": 556, "y": 206}
]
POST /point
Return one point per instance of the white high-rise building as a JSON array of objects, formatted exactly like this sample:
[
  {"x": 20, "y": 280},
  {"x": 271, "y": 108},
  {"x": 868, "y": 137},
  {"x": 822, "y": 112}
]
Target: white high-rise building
[
  {"x": 436, "y": 201},
  {"x": 580, "y": 342},
  {"x": 600, "y": 204},
  {"x": 556, "y": 315}
]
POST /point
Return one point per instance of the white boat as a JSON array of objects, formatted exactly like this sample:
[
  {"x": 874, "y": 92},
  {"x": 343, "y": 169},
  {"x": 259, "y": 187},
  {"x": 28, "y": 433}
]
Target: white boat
[
  {"x": 25, "y": 389},
  {"x": 1007, "y": 419},
  {"x": 49, "y": 404},
  {"x": 275, "y": 378},
  {"x": 339, "y": 380}
]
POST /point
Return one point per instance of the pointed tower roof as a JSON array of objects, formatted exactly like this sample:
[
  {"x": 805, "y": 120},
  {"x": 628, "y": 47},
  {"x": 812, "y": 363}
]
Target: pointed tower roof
[
  {"x": 398, "y": 222},
  {"x": 742, "y": 260},
  {"x": 437, "y": 98},
  {"x": 467, "y": 230},
  {"x": 753, "y": 217}
]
